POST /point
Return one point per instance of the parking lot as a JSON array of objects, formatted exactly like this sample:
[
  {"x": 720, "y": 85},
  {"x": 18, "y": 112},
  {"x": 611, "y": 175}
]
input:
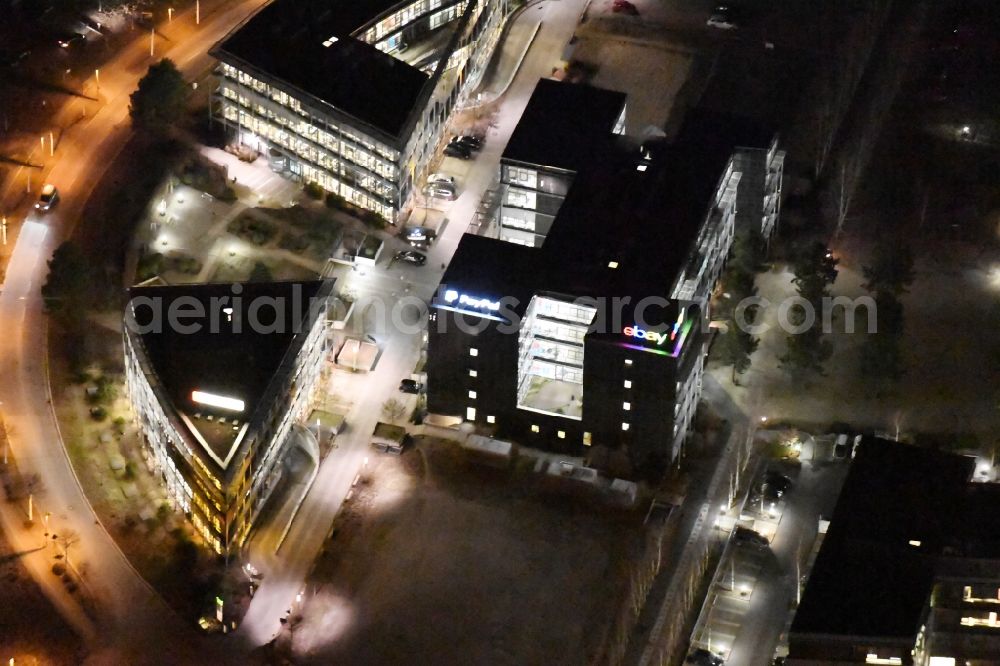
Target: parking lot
[{"x": 749, "y": 603}]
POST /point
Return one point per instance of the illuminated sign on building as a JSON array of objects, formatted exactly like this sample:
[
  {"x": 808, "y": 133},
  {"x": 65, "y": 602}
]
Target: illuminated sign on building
[
  {"x": 212, "y": 400},
  {"x": 652, "y": 336},
  {"x": 451, "y": 297},
  {"x": 678, "y": 334}
]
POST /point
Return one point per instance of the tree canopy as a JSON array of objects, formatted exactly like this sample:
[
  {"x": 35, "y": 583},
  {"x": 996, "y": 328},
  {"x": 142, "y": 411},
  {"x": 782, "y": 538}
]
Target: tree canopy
[
  {"x": 891, "y": 269},
  {"x": 159, "y": 100}
]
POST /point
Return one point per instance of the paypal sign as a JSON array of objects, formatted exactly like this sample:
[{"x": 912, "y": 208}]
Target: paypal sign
[{"x": 451, "y": 296}]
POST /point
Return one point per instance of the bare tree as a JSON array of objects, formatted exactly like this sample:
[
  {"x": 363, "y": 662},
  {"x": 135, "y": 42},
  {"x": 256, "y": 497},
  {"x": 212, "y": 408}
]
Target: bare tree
[
  {"x": 67, "y": 540},
  {"x": 393, "y": 410},
  {"x": 845, "y": 43}
]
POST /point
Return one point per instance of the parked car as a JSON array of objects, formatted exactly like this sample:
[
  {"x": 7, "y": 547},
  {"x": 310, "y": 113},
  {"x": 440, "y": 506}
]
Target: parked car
[
  {"x": 457, "y": 150},
  {"x": 752, "y": 537},
  {"x": 441, "y": 178},
  {"x": 776, "y": 485},
  {"x": 471, "y": 142},
  {"x": 410, "y": 386},
  {"x": 411, "y": 257},
  {"x": 624, "y": 7},
  {"x": 419, "y": 235},
  {"x": 48, "y": 199},
  {"x": 68, "y": 39},
  {"x": 724, "y": 17},
  {"x": 439, "y": 191},
  {"x": 702, "y": 657}
]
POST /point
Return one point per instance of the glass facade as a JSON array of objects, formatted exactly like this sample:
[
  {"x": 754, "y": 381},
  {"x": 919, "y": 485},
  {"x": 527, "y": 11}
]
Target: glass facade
[
  {"x": 222, "y": 503},
  {"x": 550, "y": 356},
  {"x": 373, "y": 174}
]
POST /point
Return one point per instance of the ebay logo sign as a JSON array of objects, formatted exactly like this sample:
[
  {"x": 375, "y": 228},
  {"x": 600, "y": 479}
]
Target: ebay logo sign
[{"x": 643, "y": 334}]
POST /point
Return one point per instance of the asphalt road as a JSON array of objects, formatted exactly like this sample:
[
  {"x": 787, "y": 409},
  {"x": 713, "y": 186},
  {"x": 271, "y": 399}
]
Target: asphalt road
[{"x": 131, "y": 617}]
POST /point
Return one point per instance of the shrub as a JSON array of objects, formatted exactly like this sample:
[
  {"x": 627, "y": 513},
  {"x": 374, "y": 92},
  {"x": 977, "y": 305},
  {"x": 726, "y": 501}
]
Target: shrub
[
  {"x": 373, "y": 220},
  {"x": 98, "y": 413},
  {"x": 150, "y": 265},
  {"x": 335, "y": 201},
  {"x": 313, "y": 190}
]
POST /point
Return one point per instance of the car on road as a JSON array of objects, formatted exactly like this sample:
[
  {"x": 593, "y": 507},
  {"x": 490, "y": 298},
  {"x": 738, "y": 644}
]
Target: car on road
[
  {"x": 68, "y": 39},
  {"x": 624, "y": 7},
  {"x": 411, "y": 257},
  {"x": 467, "y": 140},
  {"x": 441, "y": 178},
  {"x": 752, "y": 537},
  {"x": 439, "y": 191},
  {"x": 48, "y": 199},
  {"x": 458, "y": 150},
  {"x": 724, "y": 17},
  {"x": 702, "y": 657},
  {"x": 419, "y": 236},
  {"x": 410, "y": 386}
]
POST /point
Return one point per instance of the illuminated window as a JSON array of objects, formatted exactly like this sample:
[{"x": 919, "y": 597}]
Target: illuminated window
[
  {"x": 561, "y": 434},
  {"x": 612, "y": 264},
  {"x": 624, "y": 426},
  {"x": 491, "y": 419},
  {"x": 627, "y": 406},
  {"x": 586, "y": 439},
  {"x": 470, "y": 413},
  {"x": 472, "y": 394},
  {"x": 628, "y": 361},
  {"x": 628, "y": 383},
  {"x": 534, "y": 428},
  {"x": 473, "y": 351},
  {"x": 473, "y": 373}
]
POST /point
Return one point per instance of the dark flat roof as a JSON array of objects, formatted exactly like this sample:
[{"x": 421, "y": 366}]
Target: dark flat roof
[
  {"x": 646, "y": 221},
  {"x": 231, "y": 361},
  {"x": 868, "y": 580},
  {"x": 284, "y": 40},
  {"x": 564, "y": 124},
  {"x": 724, "y": 130}
]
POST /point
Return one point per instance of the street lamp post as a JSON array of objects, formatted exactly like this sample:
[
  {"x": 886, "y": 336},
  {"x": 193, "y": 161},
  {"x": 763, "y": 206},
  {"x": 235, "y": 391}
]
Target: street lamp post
[
  {"x": 170, "y": 14},
  {"x": 52, "y": 145},
  {"x": 97, "y": 80},
  {"x": 3, "y": 231},
  {"x": 197, "y": 12},
  {"x": 152, "y": 34}
]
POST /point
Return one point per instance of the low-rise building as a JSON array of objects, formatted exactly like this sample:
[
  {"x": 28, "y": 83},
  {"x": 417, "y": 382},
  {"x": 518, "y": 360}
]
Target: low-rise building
[
  {"x": 221, "y": 378},
  {"x": 909, "y": 570}
]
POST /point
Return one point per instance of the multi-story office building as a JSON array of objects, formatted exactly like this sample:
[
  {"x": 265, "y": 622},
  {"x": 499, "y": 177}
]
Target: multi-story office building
[
  {"x": 354, "y": 96},
  {"x": 909, "y": 569},
  {"x": 219, "y": 377},
  {"x": 757, "y": 157},
  {"x": 576, "y": 321}
]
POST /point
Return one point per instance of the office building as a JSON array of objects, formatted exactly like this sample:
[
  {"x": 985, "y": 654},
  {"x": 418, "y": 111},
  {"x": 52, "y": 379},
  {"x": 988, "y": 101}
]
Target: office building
[
  {"x": 540, "y": 329},
  {"x": 909, "y": 569},
  {"x": 219, "y": 377},
  {"x": 353, "y": 96}
]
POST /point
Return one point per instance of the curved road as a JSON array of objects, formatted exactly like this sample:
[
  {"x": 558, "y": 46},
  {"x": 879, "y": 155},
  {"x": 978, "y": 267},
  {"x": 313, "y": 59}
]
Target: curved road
[{"x": 133, "y": 625}]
